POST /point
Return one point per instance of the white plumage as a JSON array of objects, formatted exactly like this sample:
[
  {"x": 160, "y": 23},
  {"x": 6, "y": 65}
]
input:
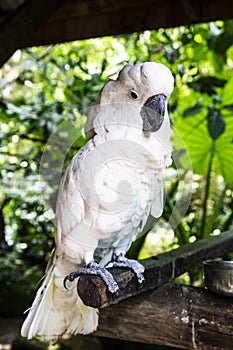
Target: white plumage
[{"x": 106, "y": 193}]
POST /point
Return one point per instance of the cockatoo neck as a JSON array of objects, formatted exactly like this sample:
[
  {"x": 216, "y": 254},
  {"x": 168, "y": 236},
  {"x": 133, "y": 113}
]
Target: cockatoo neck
[
  {"x": 155, "y": 143},
  {"x": 117, "y": 118},
  {"x": 124, "y": 121}
]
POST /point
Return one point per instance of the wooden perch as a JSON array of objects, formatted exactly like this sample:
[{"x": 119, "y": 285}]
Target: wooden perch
[
  {"x": 173, "y": 315},
  {"x": 158, "y": 270}
]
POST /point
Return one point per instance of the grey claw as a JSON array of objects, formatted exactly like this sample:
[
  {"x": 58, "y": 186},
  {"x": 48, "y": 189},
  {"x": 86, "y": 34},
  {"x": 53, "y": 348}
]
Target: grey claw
[
  {"x": 71, "y": 277},
  {"x": 94, "y": 269},
  {"x": 65, "y": 281},
  {"x": 121, "y": 261}
]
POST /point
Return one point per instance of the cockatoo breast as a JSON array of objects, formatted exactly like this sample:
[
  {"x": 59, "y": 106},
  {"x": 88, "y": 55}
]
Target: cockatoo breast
[{"x": 116, "y": 177}]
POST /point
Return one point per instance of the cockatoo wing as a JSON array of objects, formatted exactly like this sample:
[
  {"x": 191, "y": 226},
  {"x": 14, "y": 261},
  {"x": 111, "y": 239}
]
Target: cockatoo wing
[{"x": 56, "y": 310}]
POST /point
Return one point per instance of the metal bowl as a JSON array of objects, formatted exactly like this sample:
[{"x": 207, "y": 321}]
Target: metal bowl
[{"x": 219, "y": 276}]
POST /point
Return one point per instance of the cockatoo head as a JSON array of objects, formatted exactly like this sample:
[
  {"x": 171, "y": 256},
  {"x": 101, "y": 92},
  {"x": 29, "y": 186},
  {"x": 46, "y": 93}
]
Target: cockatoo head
[{"x": 138, "y": 96}]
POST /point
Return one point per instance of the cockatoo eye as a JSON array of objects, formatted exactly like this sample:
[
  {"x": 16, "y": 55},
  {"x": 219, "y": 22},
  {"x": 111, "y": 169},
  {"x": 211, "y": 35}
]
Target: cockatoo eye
[{"x": 133, "y": 94}]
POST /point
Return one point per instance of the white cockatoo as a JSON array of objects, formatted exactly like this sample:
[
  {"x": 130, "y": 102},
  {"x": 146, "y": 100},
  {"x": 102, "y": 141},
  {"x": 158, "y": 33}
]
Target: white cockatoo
[{"x": 106, "y": 194}]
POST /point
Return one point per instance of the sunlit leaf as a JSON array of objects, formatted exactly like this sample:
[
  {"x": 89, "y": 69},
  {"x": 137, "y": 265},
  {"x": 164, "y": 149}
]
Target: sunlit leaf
[{"x": 201, "y": 146}]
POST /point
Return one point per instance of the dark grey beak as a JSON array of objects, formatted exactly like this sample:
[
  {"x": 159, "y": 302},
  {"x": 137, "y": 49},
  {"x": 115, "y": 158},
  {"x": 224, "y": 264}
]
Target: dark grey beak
[{"x": 153, "y": 112}]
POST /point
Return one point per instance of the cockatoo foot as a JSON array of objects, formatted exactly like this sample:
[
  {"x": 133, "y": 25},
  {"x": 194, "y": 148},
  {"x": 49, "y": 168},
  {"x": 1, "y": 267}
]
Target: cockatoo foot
[
  {"x": 121, "y": 261},
  {"x": 94, "y": 269}
]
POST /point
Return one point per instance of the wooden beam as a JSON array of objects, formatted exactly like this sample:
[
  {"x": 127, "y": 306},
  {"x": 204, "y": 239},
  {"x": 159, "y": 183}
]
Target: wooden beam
[
  {"x": 172, "y": 315},
  {"x": 7, "y": 5},
  {"x": 21, "y": 26},
  {"x": 41, "y": 22},
  {"x": 88, "y": 19},
  {"x": 158, "y": 270}
]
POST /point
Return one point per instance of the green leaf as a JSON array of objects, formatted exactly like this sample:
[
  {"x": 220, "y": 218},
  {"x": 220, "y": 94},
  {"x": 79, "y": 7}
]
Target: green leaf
[
  {"x": 226, "y": 93},
  {"x": 200, "y": 146},
  {"x": 104, "y": 65},
  {"x": 207, "y": 84},
  {"x": 219, "y": 41},
  {"x": 229, "y": 107},
  {"x": 216, "y": 124},
  {"x": 194, "y": 109}
]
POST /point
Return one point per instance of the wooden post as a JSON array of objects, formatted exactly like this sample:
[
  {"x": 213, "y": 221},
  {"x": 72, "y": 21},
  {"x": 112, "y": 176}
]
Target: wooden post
[
  {"x": 173, "y": 315},
  {"x": 158, "y": 270}
]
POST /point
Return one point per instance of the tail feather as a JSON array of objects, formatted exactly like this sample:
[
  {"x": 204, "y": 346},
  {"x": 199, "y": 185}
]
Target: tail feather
[
  {"x": 42, "y": 310},
  {"x": 49, "y": 321},
  {"x": 85, "y": 320}
]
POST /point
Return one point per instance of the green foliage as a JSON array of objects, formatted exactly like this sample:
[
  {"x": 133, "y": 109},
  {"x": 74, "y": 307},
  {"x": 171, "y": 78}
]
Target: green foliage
[{"x": 44, "y": 94}]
